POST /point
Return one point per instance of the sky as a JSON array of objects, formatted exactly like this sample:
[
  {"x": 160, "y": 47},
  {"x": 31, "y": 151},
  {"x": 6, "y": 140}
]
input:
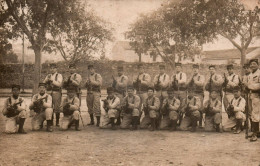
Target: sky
[{"x": 122, "y": 13}]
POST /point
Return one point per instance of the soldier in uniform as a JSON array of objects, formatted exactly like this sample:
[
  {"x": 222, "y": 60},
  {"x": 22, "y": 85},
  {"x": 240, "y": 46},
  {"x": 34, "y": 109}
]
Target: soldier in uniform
[
  {"x": 230, "y": 81},
  {"x": 54, "y": 84},
  {"x": 161, "y": 83},
  {"x": 111, "y": 106},
  {"x": 169, "y": 110},
  {"x": 41, "y": 109},
  {"x": 254, "y": 89},
  {"x": 74, "y": 80},
  {"x": 214, "y": 82},
  {"x": 151, "y": 109},
  {"x": 196, "y": 85},
  {"x": 120, "y": 87},
  {"x": 212, "y": 109},
  {"x": 93, "y": 84},
  {"x": 130, "y": 109},
  {"x": 235, "y": 111},
  {"x": 15, "y": 112},
  {"x": 70, "y": 108},
  {"x": 190, "y": 108}
]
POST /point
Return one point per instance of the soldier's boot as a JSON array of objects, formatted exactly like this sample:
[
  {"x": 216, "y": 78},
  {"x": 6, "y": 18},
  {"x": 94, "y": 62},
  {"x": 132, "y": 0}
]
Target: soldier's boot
[
  {"x": 98, "y": 121},
  {"x": 49, "y": 126},
  {"x": 118, "y": 121},
  {"x": 112, "y": 121},
  {"x": 217, "y": 128},
  {"x": 174, "y": 125},
  {"x": 238, "y": 126},
  {"x": 57, "y": 119},
  {"x": 153, "y": 124},
  {"x": 21, "y": 123},
  {"x": 134, "y": 122},
  {"x": 77, "y": 125},
  {"x": 41, "y": 125},
  {"x": 91, "y": 120},
  {"x": 193, "y": 124},
  {"x": 71, "y": 123},
  {"x": 200, "y": 120}
]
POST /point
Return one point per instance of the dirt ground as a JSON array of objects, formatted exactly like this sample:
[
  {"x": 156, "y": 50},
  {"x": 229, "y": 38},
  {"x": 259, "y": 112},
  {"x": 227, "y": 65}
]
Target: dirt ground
[{"x": 93, "y": 146}]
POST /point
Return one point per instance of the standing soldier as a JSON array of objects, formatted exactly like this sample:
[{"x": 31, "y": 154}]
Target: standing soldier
[
  {"x": 93, "y": 84},
  {"x": 196, "y": 85},
  {"x": 41, "y": 109},
  {"x": 169, "y": 111},
  {"x": 111, "y": 105},
  {"x": 70, "y": 108},
  {"x": 130, "y": 109},
  {"x": 212, "y": 109},
  {"x": 151, "y": 109},
  {"x": 214, "y": 82},
  {"x": 15, "y": 112},
  {"x": 230, "y": 81},
  {"x": 235, "y": 111},
  {"x": 74, "y": 80},
  {"x": 254, "y": 89},
  {"x": 190, "y": 108},
  {"x": 120, "y": 87},
  {"x": 54, "y": 84}
]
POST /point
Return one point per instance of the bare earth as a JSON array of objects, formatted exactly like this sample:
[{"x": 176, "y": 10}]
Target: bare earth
[{"x": 93, "y": 146}]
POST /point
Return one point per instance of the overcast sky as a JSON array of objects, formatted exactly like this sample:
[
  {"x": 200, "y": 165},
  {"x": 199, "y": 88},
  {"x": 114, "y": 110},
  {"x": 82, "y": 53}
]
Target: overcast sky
[{"x": 121, "y": 13}]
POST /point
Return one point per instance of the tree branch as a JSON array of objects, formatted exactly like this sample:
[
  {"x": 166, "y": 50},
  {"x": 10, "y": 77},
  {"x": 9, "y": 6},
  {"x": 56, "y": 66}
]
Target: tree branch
[{"x": 225, "y": 35}]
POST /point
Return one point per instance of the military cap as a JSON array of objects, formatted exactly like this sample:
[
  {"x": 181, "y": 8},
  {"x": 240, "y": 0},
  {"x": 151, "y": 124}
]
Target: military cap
[
  {"x": 150, "y": 88},
  {"x": 72, "y": 65},
  {"x": 236, "y": 88},
  {"x": 16, "y": 86},
  {"x": 212, "y": 66},
  {"x": 230, "y": 66},
  {"x": 195, "y": 66},
  {"x": 41, "y": 84},
  {"x": 90, "y": 66},
  {"x": 253, "y": 60},
  {"x": 130, "y": 87},
  {"x": 71, "y": 89},
  {"x": 120, "y": 68},
  {"x": 53, "y": 65},
  {"x": 162, "y": 66},
  {"x": 178, "y": 64},
  {"x": 110, "y": 89},
  {"x": 170, "y": 90},
  {"x": 246, "y": 65}
]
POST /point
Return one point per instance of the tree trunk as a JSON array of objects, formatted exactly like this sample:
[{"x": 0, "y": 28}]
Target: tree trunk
[
  {"x": 140, "y": 57},
  {"x": 243, "y": 59},
  {"x": 37, "y": 69}
]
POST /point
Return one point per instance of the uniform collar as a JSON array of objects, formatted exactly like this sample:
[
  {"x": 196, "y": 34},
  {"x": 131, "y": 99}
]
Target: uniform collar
[{"x": 54, "y": 73}]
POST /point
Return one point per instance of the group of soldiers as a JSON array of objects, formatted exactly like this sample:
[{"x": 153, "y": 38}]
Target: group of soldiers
[{"x": 175, "y": 102}]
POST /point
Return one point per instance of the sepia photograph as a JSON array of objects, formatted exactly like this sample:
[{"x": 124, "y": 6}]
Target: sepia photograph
[{"x": 130, "y": 82}]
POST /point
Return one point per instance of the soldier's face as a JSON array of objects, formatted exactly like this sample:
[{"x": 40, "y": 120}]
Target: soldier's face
[
  {"x": 170, "y": 95},
  {"x": 178, "y": 68},
  {"x": 150, "y": 93},
  {"x": 162, "y": 70},
  {"x": 53, "y": 69},
  {"x": 72, "y": 70},
  {"x": 212, "y": 70},
  {"x": 130, "y": 92},
  {"x": 110, "y": 94},
  {"x": 230, "y": 71},
  {"x": 253, "y": 66},
  {"x": 196, "y": 70},
  {"x": 71, "y": 94},
  {"x": 15, "y": 91},
  {"x": 141, "y": 70},
  {"x": 237, "y": 94},
  {"x": 92, "y": 70},
  {"x": 213, "y": 95},
  {"x": 120, "y": 72},
  {"x": 41, "y": 89},
  {"x": 247, "y": 70}
]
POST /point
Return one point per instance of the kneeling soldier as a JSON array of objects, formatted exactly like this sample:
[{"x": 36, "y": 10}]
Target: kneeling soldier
[
  {"x": 14, "y": 110},
  {"x": 70, "y": 109},
  {"x": 41, "y": 108},
  {"x": 191, "y": 106},
  {"x": 235, "y": 111},
  {"x": 169, "y": 111},
  {"x": 151, "y": 109},
  {"x": 212, "y": 109},
  {"x": 130, "y": 111},
  {"x": 111, "y": 106}
]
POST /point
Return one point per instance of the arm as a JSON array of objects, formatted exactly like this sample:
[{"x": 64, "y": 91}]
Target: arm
[
  {"x": 115, "y": 104},
  {"x": 123, "y": 84},
  {"x": 176, "y": 105},
  {"x": 136, "y": 103},
  {"x": 22, "y": 106},
  {"x": 218, "y": 108},
  {"x": 98, "y": 81},
  {"x": 59, "y": 80},
  {"x": 47, "y": 104},
  {"x": 241, "y": 107},
  {"x": 235, "y": 81},
  {"x": 218, "y": 80},
  {"x": 183, "y": 79},
  {"x": 166, "y": 82},
  {"x": 156, "y": 104},
  {"x": 147, "y": 79},
  {"x": 197, "y": 106},
  {"x": 75, "y": 106},
  {"x": 77, "y": 80},
  {"x": 201, "y": 81},
  {"x": 46, "y": 78}
]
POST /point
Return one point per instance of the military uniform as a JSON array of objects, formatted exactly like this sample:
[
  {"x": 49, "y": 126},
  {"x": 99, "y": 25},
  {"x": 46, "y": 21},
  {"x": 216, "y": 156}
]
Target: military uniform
[
  {"x": 111, "y": 106},
  {"x": 131, "y": 112},
  {"x": 54, "y": 84},
  {"x": 161, "y": 84},
  {"x": 170, "y": 113},
  {"x": 151, "y": 114},
  {"x": 213, "y": 117},
  {"x": 93, "y": 85},
  {"x": 17, "y": 117},
  {"x": 191, "y": 108},
  {"x": 71, "y": 112},
  {"x": 238, "y": 116},
  {"x": 43, "y": 113},
  {"x": 254, "y": 88}
]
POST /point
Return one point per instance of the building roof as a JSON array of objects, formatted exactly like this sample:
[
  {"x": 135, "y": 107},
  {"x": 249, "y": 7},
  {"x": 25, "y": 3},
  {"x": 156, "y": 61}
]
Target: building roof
[{"x": 225, "y": 54}]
